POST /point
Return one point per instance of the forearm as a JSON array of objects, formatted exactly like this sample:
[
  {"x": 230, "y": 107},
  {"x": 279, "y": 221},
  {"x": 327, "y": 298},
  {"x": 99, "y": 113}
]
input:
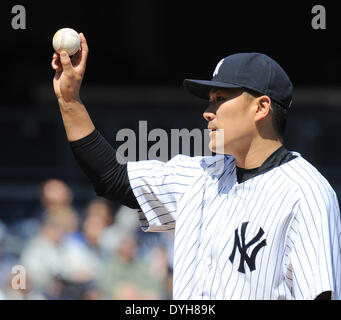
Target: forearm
[
  {"x": 97, "y": 158},
  {"x": 76, "y": 119}
]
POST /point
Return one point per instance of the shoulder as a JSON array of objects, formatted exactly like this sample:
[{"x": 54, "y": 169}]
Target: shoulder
[
  {"x": 180, "y": 166},
  {"x": 179, "y": 161},
  {"x": 187, "y": 161},
  {"x": 309, "y": 183}
]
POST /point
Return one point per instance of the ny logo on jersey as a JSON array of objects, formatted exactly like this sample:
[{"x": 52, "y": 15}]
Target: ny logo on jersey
[{"x": 242, "y": 247}]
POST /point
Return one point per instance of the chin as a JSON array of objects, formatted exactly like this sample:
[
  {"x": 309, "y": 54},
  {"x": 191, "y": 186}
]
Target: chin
[
  {"x": 216, "y": 149},
  {"x": 218, "y": 142},
  {"x": 211, "y": 146}
]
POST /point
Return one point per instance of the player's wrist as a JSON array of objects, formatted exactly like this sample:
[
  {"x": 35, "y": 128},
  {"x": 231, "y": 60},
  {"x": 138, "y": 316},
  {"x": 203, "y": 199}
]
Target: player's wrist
[{"x": 70, "y": 104}]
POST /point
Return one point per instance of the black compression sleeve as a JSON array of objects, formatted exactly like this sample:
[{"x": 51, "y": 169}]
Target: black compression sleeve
[{"x": 97, "y": 159}]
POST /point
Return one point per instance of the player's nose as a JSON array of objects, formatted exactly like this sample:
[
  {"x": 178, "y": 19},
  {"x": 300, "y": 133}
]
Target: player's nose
[
  {"x": 210, "y": 112},
  {"x": 208, "y": 116}
]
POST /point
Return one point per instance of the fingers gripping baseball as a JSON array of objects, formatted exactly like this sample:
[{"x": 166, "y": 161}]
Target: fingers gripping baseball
[
  {"x": 66, "y": 63},
  {"x": 83, "y": 53},
  {"x": 67, "y": 80},
  {"x": 69, "y": 72}
]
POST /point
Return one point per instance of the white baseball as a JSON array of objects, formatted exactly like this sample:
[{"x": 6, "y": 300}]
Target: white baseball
[{"x": 66, "y": 39}]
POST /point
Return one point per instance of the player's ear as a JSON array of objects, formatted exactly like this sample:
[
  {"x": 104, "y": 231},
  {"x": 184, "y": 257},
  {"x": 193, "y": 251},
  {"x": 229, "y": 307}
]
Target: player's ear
[{"x": 263, "y": 107}]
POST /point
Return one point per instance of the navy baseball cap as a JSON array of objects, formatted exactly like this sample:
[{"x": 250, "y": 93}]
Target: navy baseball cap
[{"x": 254, "y": 71}]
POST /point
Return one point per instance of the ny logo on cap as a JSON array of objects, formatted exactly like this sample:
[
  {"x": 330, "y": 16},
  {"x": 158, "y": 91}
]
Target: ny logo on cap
[{"x": 216, "y": 70}]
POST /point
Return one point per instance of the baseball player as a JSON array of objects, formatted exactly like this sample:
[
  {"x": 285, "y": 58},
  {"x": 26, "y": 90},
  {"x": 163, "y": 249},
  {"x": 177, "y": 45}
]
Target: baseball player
[{"x": 255, "y": 221}]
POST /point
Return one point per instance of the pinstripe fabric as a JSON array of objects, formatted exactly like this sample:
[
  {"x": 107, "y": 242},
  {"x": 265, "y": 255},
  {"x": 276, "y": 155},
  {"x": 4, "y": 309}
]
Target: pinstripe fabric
[{"x": 274, "y": 236}]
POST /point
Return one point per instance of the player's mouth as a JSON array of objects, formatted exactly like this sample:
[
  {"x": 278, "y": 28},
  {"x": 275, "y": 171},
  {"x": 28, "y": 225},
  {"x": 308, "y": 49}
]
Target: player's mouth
[
  {"x": 212, "y": 133},
  {"x": 212, "y": 129}
]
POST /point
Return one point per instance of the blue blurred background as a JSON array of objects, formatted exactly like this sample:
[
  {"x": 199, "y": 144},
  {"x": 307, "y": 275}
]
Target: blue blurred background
[{"x": 76, "y": 246}]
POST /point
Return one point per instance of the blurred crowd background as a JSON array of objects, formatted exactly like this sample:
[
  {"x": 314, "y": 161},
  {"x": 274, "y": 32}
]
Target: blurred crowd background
[
  {"x": 94, "y": 252},
  {"x": 77, "y": 246}
]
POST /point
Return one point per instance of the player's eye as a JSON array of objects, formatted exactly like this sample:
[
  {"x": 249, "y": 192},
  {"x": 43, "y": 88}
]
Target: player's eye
[
  {"x": 217, "y": 100},
  {"x": 220, "y": 99}
]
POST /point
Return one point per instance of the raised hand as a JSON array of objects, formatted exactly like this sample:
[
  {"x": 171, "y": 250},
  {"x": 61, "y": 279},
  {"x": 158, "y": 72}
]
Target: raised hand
[{"x": 69, "y": 73}]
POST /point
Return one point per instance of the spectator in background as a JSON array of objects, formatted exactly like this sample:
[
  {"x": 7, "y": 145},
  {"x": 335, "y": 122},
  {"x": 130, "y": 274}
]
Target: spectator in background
[
  {"x": 127, "y": 277},
  {"x": 161, "y": 270},
  {"x": 57, "y": 267},
  {"x": 55, "y": 194},
  {"x": 123, "y": 221},
  {"x": 55, "y": 197},
  {"x": 43, "y": 256},
  {"x": 83, "y": 250},
  {"x": 99, "y": 215},
  {"x": 112, "y": 225}
]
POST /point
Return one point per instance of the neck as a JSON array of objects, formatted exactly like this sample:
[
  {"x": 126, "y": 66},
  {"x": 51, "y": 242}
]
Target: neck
[{"x": 254, "y": 155}]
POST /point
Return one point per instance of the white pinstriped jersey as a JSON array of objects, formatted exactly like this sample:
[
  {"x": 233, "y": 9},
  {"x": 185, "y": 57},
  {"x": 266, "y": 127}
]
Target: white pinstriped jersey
[{"x": 274, "y": 236}]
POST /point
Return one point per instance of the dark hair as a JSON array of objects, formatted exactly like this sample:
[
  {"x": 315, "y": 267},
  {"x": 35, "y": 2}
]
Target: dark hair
[
  {"x": 279, "y": 118},
  {"x": 279, "y": 114}
]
